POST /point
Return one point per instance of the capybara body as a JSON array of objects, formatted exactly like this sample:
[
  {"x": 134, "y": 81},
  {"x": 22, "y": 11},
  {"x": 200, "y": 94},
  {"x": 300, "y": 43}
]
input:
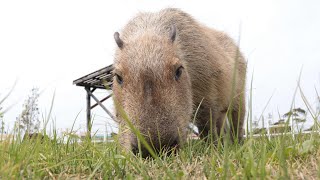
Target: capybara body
[{"x": 167, "y": 68}]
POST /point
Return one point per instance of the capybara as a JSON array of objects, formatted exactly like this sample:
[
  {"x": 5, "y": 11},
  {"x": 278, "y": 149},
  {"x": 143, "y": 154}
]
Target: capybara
[{"x": 169, "y": 67}]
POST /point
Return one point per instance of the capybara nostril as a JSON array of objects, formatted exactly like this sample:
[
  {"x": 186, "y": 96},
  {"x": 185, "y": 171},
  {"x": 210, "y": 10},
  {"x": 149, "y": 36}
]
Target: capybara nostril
[
  {"x": 134, "y": 148},
  {"x": 175, "y": 144},
  {"x": 144, "y": 152}
]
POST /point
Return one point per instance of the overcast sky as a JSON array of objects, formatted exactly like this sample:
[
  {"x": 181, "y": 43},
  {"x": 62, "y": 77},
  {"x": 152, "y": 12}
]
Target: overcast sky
[{"x": 48, "y": 44}]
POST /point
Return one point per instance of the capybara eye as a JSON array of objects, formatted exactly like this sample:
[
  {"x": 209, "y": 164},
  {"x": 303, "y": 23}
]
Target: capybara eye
[
  {"x": 178, "y": 72},
  {"x": 119, "y": 79}
]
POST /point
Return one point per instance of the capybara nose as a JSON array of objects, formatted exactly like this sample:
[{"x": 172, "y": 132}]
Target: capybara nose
[
  {"x": 172, "y": 144},
  {"x": 135, "y": 150}
]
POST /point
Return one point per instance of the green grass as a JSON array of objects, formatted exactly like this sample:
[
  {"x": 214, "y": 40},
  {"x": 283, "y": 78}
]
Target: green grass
[{"x": 281, "y": 157}]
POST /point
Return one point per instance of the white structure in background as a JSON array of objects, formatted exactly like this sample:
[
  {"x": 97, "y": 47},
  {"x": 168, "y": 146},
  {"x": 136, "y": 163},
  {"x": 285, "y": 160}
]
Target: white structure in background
[{"x": 292, "y": 123}]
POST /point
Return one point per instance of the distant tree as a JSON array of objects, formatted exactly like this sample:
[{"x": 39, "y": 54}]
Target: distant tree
[
  {"x": 298, "y": 114},
  {"x": 28, "y": 120}
]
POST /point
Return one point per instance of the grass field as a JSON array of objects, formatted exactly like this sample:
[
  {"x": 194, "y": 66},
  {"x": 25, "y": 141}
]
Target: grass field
[{"x": 281, "y": 157}]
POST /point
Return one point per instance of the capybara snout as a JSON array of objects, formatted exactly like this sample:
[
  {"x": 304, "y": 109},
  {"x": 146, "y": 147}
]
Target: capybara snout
[{"x": 156, "y": 146}]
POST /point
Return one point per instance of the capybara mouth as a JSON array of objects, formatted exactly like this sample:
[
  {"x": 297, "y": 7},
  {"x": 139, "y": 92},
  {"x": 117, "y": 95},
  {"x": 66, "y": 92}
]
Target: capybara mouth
[{"x": 173, "y": 146}]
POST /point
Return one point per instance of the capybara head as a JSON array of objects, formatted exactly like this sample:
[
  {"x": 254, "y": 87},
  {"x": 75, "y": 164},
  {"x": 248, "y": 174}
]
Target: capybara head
[{"x": 152, "y": 87}]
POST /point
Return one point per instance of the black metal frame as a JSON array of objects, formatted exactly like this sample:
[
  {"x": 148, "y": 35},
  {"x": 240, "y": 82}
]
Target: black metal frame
[{"x": 100, "y": 79}]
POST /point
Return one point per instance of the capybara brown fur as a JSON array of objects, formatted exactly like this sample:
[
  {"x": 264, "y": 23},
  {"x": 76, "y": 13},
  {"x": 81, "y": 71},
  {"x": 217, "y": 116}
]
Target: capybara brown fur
[{"x": 166, "y": 66}]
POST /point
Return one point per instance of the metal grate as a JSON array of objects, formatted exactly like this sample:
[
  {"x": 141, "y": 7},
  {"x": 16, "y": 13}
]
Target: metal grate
[{"x": 101, "y": 79}]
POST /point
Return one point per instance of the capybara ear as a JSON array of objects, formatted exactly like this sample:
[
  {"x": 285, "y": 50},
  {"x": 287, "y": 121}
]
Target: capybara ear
[
  {"x": 118, "y": 40},
  {"x": 173, "y": 33}
]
